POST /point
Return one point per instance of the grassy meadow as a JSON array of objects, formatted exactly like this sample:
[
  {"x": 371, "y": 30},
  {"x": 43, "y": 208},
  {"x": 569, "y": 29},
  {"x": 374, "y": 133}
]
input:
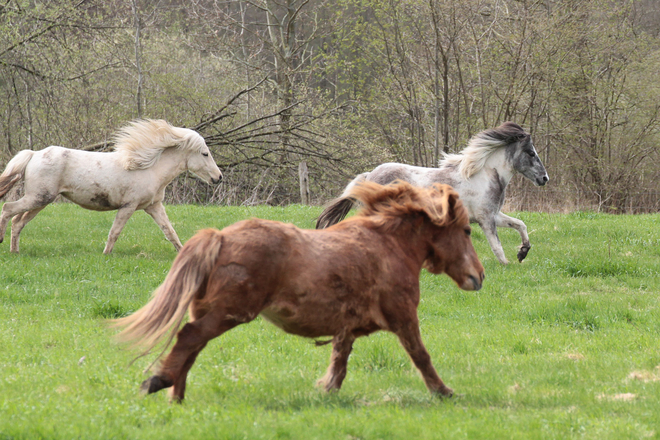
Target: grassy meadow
[{"x": 564, "y": 345}]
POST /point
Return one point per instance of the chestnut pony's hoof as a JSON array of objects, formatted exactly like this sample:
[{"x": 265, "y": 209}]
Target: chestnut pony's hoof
[
  {"x": 444, "y": 393},
  {"x": 155, "y": 383}
]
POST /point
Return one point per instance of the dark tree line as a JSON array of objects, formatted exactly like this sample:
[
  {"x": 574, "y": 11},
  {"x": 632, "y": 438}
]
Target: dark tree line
[{"x": 344, "y": 85}]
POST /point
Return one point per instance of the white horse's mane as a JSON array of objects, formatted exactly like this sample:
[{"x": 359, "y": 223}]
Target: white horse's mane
[
  {"x": 141, "y": 142},
  {"x": 481, "y": 146}
]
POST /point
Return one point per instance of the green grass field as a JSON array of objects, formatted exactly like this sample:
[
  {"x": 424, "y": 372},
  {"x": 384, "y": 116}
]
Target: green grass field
[{"x": 565, "y": 345}]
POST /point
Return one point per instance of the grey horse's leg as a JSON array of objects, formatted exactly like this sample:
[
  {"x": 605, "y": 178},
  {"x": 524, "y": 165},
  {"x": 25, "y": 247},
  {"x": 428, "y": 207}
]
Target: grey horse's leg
[
  {"x": 123, "y": 214},
  {"x": 157, "y": 212},
  {"x": 18, "y": 223},
  {"x": 490, "y": 229},
  {"x": 504, "y": 221}
]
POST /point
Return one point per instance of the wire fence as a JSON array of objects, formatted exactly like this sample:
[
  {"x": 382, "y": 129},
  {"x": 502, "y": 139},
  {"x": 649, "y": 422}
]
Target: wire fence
[
  {"x": 521, "y": 195},
  {"x": 564, "y": 199}
]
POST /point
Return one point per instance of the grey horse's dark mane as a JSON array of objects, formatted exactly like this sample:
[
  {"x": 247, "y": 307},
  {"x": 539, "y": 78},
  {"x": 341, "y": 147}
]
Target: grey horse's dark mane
[
  {"x": 473, "y": 157},
  {"x": 507, "y": 132}
]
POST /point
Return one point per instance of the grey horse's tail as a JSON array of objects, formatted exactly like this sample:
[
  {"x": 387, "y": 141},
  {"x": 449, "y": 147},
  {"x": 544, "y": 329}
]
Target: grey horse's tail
[
  {"x": 14, "y": 171},
  {"x": 336, "y": 210}
]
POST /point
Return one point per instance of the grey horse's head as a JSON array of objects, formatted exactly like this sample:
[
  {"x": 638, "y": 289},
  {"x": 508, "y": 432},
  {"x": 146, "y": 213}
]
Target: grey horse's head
[{"x": 521, "y": 153}]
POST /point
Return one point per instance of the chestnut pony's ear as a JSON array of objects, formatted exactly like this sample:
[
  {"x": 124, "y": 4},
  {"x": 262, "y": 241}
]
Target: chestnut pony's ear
[{"x": 442, "y": 205}]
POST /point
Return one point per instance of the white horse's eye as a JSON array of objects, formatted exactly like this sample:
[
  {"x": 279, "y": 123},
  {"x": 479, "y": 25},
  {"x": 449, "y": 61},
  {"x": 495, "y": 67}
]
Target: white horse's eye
[{"x": 205, "y": 154}]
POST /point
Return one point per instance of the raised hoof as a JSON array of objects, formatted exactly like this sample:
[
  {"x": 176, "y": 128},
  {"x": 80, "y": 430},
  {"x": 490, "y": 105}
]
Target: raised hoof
[
  {"x": 155, "y": 383},
  {"x": 522, "y": 253}
]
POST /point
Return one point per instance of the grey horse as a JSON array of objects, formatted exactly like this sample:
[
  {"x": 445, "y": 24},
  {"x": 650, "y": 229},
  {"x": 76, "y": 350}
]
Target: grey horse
[{"x": 479, "y": 173}]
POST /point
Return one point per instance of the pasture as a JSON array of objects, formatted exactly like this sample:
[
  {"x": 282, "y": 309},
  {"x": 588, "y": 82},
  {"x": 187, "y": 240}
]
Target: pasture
[{"x": 564, "y": 345}]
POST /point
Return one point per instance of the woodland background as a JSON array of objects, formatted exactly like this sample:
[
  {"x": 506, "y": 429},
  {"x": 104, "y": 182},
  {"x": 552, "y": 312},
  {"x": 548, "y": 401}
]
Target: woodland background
[{"x": 344, "y": 85}]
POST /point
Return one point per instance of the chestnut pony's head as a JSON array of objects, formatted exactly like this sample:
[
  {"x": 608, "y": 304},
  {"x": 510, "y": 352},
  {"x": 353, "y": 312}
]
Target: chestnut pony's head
[{"x": 438, "y": 215}]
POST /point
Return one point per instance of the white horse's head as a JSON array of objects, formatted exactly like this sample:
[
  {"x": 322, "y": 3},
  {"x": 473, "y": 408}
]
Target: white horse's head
[
  {"x": 200, "y": 162},
  {"x": 141, "y": 144}
]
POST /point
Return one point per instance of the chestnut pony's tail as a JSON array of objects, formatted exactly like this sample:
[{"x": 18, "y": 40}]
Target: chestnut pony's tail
[
  {"x": 14, "y": 171},
  {"x": 169, "y": 302}
]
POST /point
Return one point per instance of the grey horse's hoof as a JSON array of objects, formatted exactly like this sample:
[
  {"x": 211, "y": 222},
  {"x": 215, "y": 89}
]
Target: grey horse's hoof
[{"x": 522, "y": 253}]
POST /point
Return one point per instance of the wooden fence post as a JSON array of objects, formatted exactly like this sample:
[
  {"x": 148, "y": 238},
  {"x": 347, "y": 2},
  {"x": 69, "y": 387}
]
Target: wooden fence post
[{"x": 303, "y": 175}]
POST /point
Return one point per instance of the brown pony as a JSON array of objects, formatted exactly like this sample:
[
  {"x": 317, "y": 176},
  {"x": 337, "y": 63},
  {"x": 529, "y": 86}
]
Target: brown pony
[{"x": 352, "y": 279}]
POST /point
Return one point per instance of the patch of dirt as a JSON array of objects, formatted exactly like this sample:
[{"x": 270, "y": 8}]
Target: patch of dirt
[
  {"x": 575, "y": 356},
  {"x": 515, "y": 388},
  {"x": 624, "y": 397},
  {"x": 646, "y": 376}
]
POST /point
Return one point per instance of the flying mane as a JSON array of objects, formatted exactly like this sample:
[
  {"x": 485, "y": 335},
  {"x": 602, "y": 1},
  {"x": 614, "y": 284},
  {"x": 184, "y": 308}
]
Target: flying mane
[
  {"x": 387, "y": 205},
  {"x": 141, "y": 142},
  {"x": 473, "y": 158}
]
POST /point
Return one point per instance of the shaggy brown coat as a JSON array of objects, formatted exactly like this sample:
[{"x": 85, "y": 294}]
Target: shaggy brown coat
[{"x": 347, "y": 281}]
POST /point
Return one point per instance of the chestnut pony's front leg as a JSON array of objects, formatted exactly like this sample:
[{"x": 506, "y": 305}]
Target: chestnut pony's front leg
[
  {"x": 341, "y": 350},
  {"x": 411, "y": 340}
]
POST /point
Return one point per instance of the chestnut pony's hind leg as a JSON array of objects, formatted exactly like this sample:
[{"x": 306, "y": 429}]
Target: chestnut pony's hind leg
[
  {"x": 411, "y": 340},
  {"x": 190, "y": 341},
  {"x": 341, "y": 350}
]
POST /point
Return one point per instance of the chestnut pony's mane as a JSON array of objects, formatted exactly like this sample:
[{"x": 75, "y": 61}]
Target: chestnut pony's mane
[{"x": 389, "y": 204}]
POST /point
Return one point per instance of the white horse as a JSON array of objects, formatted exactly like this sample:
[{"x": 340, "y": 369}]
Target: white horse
[
  {"x": 148, "y": 155},
  {"x": 479, "y": 173}
]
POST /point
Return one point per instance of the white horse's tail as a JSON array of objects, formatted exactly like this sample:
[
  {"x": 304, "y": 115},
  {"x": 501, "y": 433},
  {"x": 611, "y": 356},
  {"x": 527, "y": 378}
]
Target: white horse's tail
[
  {"x": 339, "y": 207},
  {"x": 14, "y": 171}
]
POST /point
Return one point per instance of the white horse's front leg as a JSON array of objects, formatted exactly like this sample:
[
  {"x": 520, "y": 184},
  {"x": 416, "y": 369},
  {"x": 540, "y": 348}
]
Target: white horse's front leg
[
  {"x": 490, "y": 229},
  {"x": 504, "y": 221},
  {"x": 157, "y": 212},
  {"x": 123, "y": 214}
]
